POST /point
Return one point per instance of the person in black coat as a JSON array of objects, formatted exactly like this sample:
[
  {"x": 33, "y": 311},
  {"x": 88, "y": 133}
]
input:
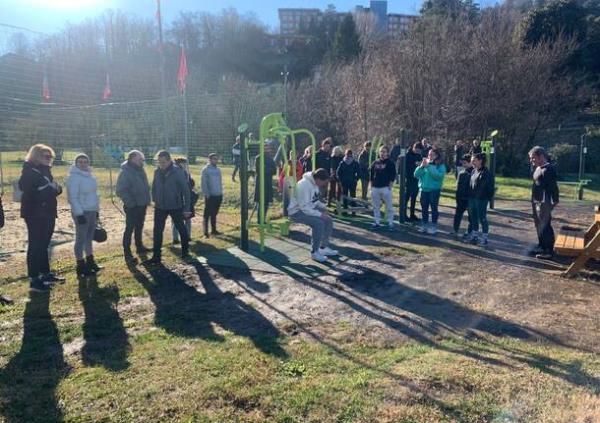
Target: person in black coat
[
  {"x": 4, "y": 300},
  {"x": 335, "y": 189},
  {"x": 348, "y": 173},
  {"x": 364, "y": 162},
  {"x": 476, "y": 147},
  {"x": 39, "y": 209},
  {"x": 481, "y": 191},
  {"x": 323, "y": 161},
  {"x": 463, "y": 184},
  {"x": 413, "y": 160},
  {"x": 544, "y": 197}
]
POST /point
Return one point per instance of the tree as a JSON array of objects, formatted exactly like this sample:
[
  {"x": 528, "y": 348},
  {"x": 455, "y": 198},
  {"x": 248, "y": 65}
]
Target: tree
[{"x": 346, "y": 44}]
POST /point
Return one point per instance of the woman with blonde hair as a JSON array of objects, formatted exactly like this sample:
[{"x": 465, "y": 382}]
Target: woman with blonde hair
[
  {"x": 39, "y": 210},
  {"x": 82, "y": 192}
]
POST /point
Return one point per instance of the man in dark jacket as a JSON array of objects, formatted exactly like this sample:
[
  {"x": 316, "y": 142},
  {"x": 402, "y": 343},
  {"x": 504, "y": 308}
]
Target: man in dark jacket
[
  {"x": 413, "y": 160},
  {"x": 383, "y": 176},
  {"x": 39, "y": 210},
  {"x": 364, "y": 162},
  {"x": 4, "y": 300},
  {"x": 323, "y": 161},
  {"x": 134, "y": 191},
  {"x": 172, "y": 197},
  {"x": 544, "y": 197},
  {"x": 348, "y": 173},
  {"x": 463, "y": 182}
]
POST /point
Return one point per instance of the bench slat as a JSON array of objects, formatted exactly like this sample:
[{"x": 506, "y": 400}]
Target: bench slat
[{"x": 569, "y": 243}]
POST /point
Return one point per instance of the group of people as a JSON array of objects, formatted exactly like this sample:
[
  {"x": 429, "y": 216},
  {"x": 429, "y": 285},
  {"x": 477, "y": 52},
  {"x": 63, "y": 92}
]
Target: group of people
[
  {"x": 336, "y": 173},
  {"x": 172, "y": 191}
]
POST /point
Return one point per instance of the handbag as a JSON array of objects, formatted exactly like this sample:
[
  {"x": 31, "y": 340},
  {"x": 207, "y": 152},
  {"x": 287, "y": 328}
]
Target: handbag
[{"x": 100, "y": 234}]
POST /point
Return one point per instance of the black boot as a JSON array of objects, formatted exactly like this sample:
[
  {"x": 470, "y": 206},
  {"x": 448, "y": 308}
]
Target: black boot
[
  {"x": 92, "y": 266},
  {"x": 83, "y": 269}
]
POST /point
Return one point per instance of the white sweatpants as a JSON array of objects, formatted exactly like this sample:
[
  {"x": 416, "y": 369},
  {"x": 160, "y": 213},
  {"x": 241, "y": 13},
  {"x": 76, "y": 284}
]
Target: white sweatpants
[{"x": 382, "y": 194}]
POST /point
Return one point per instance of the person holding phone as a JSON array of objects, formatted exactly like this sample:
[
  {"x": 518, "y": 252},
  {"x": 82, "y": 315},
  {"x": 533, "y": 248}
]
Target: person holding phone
[{"x": 430, "y": 173}]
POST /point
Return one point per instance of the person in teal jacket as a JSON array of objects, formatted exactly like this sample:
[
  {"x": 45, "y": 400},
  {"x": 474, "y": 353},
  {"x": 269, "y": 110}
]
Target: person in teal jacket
[{"x": 430, "y": 174}]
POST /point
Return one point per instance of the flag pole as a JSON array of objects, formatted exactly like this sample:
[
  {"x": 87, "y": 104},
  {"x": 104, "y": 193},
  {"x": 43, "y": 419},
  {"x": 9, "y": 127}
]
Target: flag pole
[
  {"x": 185, "y": 112},
  {"x": 163, "y": 93}
]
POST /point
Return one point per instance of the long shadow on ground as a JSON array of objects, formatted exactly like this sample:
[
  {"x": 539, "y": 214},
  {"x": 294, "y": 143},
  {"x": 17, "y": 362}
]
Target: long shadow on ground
[
  {"x": 184, "y": 311},
  {"x": 106, "y": 340},
  {"x": 28, "y": 382}
]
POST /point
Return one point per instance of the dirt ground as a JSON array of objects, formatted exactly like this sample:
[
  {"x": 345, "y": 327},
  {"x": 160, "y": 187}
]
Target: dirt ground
[{"x": 396, "y": 285}]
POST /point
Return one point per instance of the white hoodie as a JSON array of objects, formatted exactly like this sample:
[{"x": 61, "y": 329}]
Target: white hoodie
[
  {"x": 306, "y": 198},
  {"x": 82, "y": 190}
]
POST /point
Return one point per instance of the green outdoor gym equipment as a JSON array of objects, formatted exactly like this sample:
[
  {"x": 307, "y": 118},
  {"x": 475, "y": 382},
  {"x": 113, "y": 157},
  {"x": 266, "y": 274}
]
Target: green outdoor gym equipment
[{"x": 274, "y": 127}]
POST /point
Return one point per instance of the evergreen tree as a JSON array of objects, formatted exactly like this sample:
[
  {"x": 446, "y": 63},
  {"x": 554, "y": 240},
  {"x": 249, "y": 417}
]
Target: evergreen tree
[{"x": 346, "y": 44}]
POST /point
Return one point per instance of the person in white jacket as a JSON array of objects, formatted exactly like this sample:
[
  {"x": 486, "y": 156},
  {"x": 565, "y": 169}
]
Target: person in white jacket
[
  {"x": 306, "y": 208},
  {"x": 82, "y": 190}
]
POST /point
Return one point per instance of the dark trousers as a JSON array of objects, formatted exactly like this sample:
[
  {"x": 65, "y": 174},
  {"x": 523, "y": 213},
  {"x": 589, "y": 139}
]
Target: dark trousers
[
  {"x": 462, "y": 205},
  {"x": 349, "y": 189},
  {"x": 364, "y": 185},
  {"x": 134, "y": 225},
  {"x": 160, "y": 217},
  {"x": 412, "y": 190},
  {"x": 542, "y": 217},
  {"x": 335, "y": 191},
  {"x": 235, "y": 170},
  {"x": 39, "y": 234},
  {"x": 211, "y": 209},
  {"x": 478, "y": 214},
  {"x": 430, "y": 199}
]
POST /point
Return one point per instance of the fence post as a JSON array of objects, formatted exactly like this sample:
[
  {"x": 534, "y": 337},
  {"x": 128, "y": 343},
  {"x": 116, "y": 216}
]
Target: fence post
[{"x": 243, "y": 187}]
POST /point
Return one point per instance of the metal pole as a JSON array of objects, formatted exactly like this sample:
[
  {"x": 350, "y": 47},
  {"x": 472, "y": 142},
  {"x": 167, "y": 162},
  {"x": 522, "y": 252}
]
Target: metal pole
[
  {"x": 493, "y": 169},
  {"x": 582, "y": 157},
  {"x": 243, "y": 188},
  {"x": 163, "y": 93},
  {"x": 110, "y": 155},
  {"x": 185, "y": 125},
  {"x": 285, "y": 74}
]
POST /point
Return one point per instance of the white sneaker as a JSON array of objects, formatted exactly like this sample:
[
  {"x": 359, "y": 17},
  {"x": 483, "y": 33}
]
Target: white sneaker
[
  {"x": 318, "y": 257},
  {"x": 432, "y": 230},
  {"x": 328, "y": 252}
]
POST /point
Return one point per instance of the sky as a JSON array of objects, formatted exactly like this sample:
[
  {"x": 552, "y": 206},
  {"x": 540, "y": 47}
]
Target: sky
[{"x": 48, "y": 16}]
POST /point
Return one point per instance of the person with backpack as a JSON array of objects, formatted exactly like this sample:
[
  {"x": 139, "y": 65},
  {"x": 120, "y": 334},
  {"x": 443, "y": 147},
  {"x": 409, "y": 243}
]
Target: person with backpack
[
  {"x": 544, "y": 197},
  {"x": 4, "y": 300},
  {"x": 413, "y": 160},
  {"x": 481, "y": 190},
  {"x": 306, "y": 208},
  {"x": 348, "y": 173},
  {"x": 430, "y": 173},
  {"x": 172, "y": 198},
  {"x": 382, "y": 176},
  {"x": 335, "y": 189},
  {"x": 82, "y": 193},
  {"x": 183, "y": 163},
  {"x": 463, "y": 183},
  {"x": 39, "y": 210},
  {"x": 364, "y": 162},
  {"x": 211, "y": 183}
]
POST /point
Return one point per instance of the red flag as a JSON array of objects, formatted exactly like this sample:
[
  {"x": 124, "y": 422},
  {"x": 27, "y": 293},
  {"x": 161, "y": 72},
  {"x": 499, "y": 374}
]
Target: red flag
[
  {"x": 45, "y": 88},
  {"x": 183, "y": 70},
  {"x": 106, "y": 93}
]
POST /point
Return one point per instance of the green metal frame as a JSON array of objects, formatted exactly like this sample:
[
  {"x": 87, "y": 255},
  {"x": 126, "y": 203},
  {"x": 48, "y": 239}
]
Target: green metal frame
[{"x": 274, "y": 126}]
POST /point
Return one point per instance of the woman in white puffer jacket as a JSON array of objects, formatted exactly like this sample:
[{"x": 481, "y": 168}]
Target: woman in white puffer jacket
[{"x": 82, "y": 190}]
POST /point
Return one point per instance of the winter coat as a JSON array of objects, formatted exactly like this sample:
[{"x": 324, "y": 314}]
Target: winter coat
[
  {"x": 348, "y": 174},
  {"x": 413, "y": 160},
  {"x": 463, "y": 183},
  {"x": 383, "y": 173},
  {"x": 132, "y": 186},
  {"x": 481, "y": 186},
  {"x": 211, "y": 181},
  {"x": 39, "y": 196},
  {"x": 323, "y": 160},
  {"x": 82, "y": 191},
  {"x": 306, "y": 198},
  {"x": 335, "y": 163},
  {"x": 545, "y": 185},
  {"x": 171, "y": 189},
  {"x": 363, "y": 161},
  {"x": 270, "y": 171},
  {"x": 431, "y": 177}
]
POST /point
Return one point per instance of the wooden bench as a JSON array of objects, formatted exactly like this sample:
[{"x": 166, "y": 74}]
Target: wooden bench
[{"x": 583, "y": 245}]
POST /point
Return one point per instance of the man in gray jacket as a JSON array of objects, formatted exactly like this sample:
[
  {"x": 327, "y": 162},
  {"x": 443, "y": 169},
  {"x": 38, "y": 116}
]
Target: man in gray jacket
[
  {"x": 134, "y": 191},
  {"x": 171, "y": 194},
  {"x": 212, "y": 189}
]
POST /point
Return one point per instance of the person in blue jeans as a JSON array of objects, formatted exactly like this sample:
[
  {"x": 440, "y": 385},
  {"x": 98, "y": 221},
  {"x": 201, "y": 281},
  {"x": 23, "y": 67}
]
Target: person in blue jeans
[
  {"x": 481, "y": 190},
  {"x": 430, "y": 173}
]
